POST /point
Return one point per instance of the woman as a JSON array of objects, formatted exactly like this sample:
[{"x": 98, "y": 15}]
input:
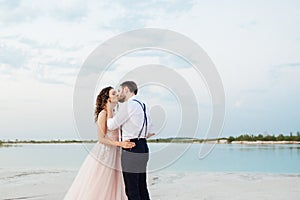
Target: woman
[{"x": 100, "y": 177}]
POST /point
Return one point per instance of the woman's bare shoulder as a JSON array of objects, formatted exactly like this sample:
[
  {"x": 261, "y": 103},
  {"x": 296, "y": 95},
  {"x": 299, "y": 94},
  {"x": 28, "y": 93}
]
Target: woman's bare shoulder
[{"x": 102, "y": 115}]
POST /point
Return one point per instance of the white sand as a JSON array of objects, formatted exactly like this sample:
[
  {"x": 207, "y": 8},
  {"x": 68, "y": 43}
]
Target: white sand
[{"x": 52, "y": 184}]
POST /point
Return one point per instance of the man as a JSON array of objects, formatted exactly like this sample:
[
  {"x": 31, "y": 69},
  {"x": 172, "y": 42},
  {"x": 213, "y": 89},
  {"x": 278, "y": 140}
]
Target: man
[{"x": 135, "y": 125}]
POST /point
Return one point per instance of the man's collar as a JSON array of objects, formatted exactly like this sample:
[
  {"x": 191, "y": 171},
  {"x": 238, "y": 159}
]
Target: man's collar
[{"x": 133, "y": 97}]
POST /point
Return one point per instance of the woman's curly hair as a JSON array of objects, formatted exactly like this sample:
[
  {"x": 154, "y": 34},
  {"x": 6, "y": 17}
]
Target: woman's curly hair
[{"x": 101, "y": 101}]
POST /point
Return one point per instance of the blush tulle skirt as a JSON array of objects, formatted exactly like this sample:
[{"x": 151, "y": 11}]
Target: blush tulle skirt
[{"x": 100, "y": 176}]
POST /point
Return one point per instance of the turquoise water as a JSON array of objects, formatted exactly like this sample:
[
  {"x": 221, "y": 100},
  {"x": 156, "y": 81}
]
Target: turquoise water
[{"x": 223, "y": 158}]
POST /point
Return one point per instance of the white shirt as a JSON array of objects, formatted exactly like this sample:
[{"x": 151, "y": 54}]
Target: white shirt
[{"x": 131, "y": 117}]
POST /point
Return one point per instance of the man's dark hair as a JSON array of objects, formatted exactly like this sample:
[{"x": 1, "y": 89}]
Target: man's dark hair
[{"x": 131, "y": 86}]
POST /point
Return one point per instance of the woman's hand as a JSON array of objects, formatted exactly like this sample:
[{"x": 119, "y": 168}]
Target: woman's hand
[{"x": 126, "y": 144}]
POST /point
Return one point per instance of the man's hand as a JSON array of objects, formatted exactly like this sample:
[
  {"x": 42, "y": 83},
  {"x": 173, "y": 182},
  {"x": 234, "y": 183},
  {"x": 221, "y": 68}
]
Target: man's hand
[
  {"x": 110, "y": 105},
  {"x": 150, "y": 135}
]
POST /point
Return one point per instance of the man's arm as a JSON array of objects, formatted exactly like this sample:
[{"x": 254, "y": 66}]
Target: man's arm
[
  {"x": 111, "y": 124},
  {"x": 102, "y": 132},
  {"x": 151, "y": 128},
  {"x": 124, "y": 113},
  {"x": 110, "y": 108}
]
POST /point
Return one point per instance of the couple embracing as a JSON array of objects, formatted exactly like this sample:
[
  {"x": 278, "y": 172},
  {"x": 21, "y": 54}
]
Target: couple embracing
[{"x": 110, "y": 172}]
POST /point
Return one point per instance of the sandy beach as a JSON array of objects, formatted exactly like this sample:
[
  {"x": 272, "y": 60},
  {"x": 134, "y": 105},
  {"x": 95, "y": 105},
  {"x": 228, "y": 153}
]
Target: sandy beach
[{"x": 52, "y": 184}]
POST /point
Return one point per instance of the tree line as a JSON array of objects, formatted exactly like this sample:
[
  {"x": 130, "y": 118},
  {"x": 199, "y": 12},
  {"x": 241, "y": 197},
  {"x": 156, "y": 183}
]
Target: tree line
[
  {"x": 260, "y": 137},
  {"x": 243, "y": 137},
  {"x": 47, "y": 141}
]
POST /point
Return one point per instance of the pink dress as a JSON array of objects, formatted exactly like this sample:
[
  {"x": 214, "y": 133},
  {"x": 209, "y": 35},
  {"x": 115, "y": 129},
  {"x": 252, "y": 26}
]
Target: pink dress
[{"x": 100, "y": 176}]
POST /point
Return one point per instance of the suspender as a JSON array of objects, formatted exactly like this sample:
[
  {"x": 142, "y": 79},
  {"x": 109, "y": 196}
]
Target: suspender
[
  {"x": 145, "y": 119},
  {"x": 121, "y": 132},
  {"x": 144, "y": 123}
]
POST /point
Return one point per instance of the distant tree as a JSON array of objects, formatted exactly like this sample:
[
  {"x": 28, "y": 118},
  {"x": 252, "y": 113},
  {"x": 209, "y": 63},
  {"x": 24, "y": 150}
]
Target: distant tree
[
  {"x": 298, "y": 136},
  {"x": 272, "y": 138},
  {"x": 260, "y": 137},
  {"x": 280, "y": 137},
  {"x": 246, "y": 137},
  {"x": 241, "y": 137},
  {"x": 289, "y": 137},
  {"x": 230, "y": 139}
]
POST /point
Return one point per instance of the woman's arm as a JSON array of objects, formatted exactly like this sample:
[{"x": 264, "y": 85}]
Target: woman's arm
[{"x": 101, "y": 123}]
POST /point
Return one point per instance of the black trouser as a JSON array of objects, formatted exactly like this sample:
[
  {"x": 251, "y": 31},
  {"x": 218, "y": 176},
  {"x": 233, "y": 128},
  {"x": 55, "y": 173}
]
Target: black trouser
[{"x": 134, "y": 164}]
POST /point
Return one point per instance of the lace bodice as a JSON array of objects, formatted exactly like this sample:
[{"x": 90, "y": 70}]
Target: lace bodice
[{"x": 113, "y": 135}]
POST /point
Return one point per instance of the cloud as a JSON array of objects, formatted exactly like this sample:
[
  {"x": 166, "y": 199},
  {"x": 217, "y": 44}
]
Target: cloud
[
  {"x": 138, "y": 13},
  {"x": 12, "y": 56},
  {"x": 61, "y": 34},
  {"x": 295, "y": 64},
  {"x": 281, "y": 72},
  {"x": 43, "y": 45},
  {"x": 14, "y": 12},
  {"x": 49, "y": 65},
  {"x": 250, "y": 25}
]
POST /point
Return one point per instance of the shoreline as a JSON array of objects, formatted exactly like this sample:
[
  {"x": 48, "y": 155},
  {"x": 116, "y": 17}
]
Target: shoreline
[
  {"x": 265, "y": 142},
  {"x": 52, "y": 184},
  {"x": 4, "y": 143}
]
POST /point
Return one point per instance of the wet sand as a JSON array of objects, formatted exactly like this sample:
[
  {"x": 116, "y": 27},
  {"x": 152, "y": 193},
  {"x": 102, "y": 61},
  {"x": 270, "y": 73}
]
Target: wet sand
[{"x": 52, "y": 184}]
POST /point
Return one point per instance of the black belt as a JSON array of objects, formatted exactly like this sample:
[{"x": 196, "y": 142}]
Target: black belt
[{"x": 136, "y": 140}]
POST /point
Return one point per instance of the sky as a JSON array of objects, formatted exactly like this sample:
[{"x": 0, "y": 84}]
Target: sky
[{"x": 255, "y": 46}]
